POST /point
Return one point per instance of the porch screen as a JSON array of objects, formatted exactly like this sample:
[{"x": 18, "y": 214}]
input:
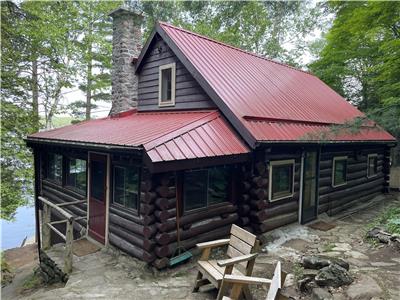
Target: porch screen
[
  {"x": 202, "y": 188},
  {"x": 126, "y": 186},
  {"x": 76, "y": 174},
  {"x": 54, "y": 167}
]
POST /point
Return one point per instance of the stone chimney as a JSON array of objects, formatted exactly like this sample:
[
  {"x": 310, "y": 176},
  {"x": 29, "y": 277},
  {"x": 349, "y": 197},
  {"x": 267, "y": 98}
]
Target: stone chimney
[{"x": 127, "y": 43}]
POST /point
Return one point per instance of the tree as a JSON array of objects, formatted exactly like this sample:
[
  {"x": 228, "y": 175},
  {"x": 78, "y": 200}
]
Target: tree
[
  {"x": 361, "y": 58},
  {"x": 95, "y": 50},
  {"x": 36, "y": 64}
]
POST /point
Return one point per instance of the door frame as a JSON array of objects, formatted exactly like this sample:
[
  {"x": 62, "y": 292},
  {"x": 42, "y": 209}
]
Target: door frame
[
  {"x": 318, "y": 151},
  {"x": 107, "y": 194}
]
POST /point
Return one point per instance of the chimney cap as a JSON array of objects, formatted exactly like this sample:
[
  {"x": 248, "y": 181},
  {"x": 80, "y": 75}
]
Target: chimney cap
[{"x": 125, "y": 11}]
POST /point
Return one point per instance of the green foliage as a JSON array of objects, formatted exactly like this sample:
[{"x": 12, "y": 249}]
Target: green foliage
[
  {"x": 264, "y": 27},
  {"x": 361, "y": 58},
  {"x": 390, "y": 219},
  {"x": 298, "y": 271}
]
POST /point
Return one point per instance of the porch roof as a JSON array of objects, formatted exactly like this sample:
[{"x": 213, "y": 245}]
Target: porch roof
[{"x": 164, "y": 136}]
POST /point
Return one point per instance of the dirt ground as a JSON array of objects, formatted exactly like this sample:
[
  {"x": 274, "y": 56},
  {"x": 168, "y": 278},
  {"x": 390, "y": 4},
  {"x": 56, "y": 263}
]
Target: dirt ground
[{"x": 109, "y": 274}]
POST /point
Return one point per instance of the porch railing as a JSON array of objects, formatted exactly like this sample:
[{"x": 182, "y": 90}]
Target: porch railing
[{"x": 48, "y": 225}]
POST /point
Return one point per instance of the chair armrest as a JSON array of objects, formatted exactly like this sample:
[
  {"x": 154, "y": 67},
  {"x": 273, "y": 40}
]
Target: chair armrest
[
  {"x": 236, "y": 260},
  {"x": 246, "y": 279},
  {"x": 213, "y": 244}
]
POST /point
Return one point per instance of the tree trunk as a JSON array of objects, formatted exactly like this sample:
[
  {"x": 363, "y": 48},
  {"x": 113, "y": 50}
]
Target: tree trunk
[
  {"x": 35, "y": 96},
  {"x": 89, "y": 66}
]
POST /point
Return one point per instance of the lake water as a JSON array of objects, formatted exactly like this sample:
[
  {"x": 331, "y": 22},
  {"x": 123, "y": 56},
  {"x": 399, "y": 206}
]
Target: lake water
[{"x": 14, "y": 232}]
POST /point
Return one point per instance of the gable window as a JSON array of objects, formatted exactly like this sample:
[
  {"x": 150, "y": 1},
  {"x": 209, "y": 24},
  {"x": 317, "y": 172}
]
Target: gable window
[
  {"x": 54, "y": 167},
  {"x": 202, "y": 188},
  {"x": 126, "y": 186},
  {"x": 339, "y": 171},
  {"x": 281, "y": 175},
  {"x": 166, "y": 93},
  {"x": 76, "y": 174},
  {"x": 372, "y": 165}
]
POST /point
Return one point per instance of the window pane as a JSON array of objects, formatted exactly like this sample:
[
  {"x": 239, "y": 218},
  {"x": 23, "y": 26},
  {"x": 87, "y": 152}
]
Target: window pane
[
  {"x": 119, "y": 185},
  {"x": 282, "y": 180},
  {"x": 131, "y": 187},
  {"x": 195, "y": 189},
  {"x": 126, "y": 186},
  {"x": 218, "y": 183},
  {"x": 76, "y": 176},
  {"x": 98, "y": 172},
  {"x": 372, "y": 165},
  {"x": 166, "y": 85},
  {"x": 340, "y": 171},
  {"x": 54, "y": 167}
]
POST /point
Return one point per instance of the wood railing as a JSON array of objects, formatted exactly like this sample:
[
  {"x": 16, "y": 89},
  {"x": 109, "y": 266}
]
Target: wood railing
[{"x": 48, "y": 225}]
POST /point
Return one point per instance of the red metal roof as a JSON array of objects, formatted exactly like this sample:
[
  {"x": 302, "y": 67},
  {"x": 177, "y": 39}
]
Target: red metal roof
[
  {"x": 165, "y": 136},
  {"x": 253, "y": 86}
]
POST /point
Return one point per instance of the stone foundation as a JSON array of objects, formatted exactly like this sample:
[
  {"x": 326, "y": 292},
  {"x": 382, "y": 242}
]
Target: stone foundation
[{"x": 49, "y": 270}]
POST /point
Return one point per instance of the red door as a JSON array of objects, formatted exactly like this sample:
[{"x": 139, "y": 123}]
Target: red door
[{"x": 97, "y": 196}]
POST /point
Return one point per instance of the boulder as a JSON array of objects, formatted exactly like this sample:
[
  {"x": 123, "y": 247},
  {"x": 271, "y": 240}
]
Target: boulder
[
  {"x": 364, "y": 288},
  {"x": 321, "y": 294},
  {"x": 317, "y": 262},
  {"x": 333, "y": 275}
]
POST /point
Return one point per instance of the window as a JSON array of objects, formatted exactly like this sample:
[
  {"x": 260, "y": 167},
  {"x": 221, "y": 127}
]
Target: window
[
  {"x": 281, "y": 174},
  {"x": 372, "y": 169},
  {"x": 76, "y": 174},
  {"x": 339, "y": 171},
  {"x": 166, "y": 93},
  {"x": 54, "y": 167},
  {"x": 126, "y": 186},
  {"x": 202, "y": 188}
]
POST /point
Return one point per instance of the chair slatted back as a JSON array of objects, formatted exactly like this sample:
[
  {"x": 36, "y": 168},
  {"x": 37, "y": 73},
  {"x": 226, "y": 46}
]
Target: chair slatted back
[{"x": 241, "y": 242}]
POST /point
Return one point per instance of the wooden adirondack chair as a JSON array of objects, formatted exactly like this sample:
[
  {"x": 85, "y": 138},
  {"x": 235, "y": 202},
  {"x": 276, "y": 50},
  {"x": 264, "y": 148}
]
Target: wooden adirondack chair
[
  {"x": 242, "y": 248},
  {"x": 239, "y": 282}
]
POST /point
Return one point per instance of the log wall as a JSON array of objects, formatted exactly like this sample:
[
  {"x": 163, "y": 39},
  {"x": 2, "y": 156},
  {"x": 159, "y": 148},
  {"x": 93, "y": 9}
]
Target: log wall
[
  {"x": 359, "y": 188},
  {"x": 265, "y": 215},
  {"x": 195, "y": 227}
]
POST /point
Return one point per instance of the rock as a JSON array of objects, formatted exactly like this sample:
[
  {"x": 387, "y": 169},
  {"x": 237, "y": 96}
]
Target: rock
[
  {"x": 357, "y": 255},
  {"x": 310, "y": 273},
  {"x": 321, "y": 294},
  {"x": 318, "y": 262},
  {"x": 382, "y": 264},
  {"x": 364, "y": 288},
  {"x": 343, "y": 247},
  {"x": 333, "y": 275},
  {"x": 302, "y": 283}
]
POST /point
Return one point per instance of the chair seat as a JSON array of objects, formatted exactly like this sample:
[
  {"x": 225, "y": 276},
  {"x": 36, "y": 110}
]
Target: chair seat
[{"x": 213, "y": 272}]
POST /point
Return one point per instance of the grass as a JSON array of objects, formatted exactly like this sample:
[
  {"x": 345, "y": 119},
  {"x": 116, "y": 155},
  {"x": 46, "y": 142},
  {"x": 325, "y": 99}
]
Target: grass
[
  {"x": 388, "y": 220},
  {"x": 32, "y": 282},
  {"x": 328, "y": 247},
  {"x": 298, "y": 271}
]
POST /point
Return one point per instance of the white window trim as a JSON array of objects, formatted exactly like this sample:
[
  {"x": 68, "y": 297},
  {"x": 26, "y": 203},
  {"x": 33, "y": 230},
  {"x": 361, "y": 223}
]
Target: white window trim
[
  {"x": 171, "y": 66},
  {"x": 372, "y": 155},
  {"x": 279, "y": 163},
  {"x": 336, "y": 158}
]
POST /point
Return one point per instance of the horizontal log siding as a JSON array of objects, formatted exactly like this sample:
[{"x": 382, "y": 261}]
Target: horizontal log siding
[
  {"x": 359, "y": 188},
  {"x": 59, "y": 194},
  {"x": 203, "y": 225},
  {"x": 265, "y": 215},
  {"x": 188, "y": 95}
]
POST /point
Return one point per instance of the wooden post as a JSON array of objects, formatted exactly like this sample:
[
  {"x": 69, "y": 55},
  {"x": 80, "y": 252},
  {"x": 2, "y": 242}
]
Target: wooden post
[
  {"x": 69, "y": 237},
  {"x": 46, "y": 218}
]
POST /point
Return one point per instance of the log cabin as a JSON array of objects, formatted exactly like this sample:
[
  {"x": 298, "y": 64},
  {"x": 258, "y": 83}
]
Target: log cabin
[{"x": 232, "y": 137}]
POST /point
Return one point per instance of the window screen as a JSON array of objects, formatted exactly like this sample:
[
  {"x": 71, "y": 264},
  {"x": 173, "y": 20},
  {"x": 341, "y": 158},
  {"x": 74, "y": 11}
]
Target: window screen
[
  {"x": 76, "y": 175},
  {"x": 54, "y": 169},
  {"x": 126, "y": 186},
  {"x": 339, "y": 171}
]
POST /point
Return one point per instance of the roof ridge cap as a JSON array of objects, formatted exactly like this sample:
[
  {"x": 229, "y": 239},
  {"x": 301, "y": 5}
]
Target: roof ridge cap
[
  {"x": 234, "y": 48},
  {"x": 153, "y": 141}
]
